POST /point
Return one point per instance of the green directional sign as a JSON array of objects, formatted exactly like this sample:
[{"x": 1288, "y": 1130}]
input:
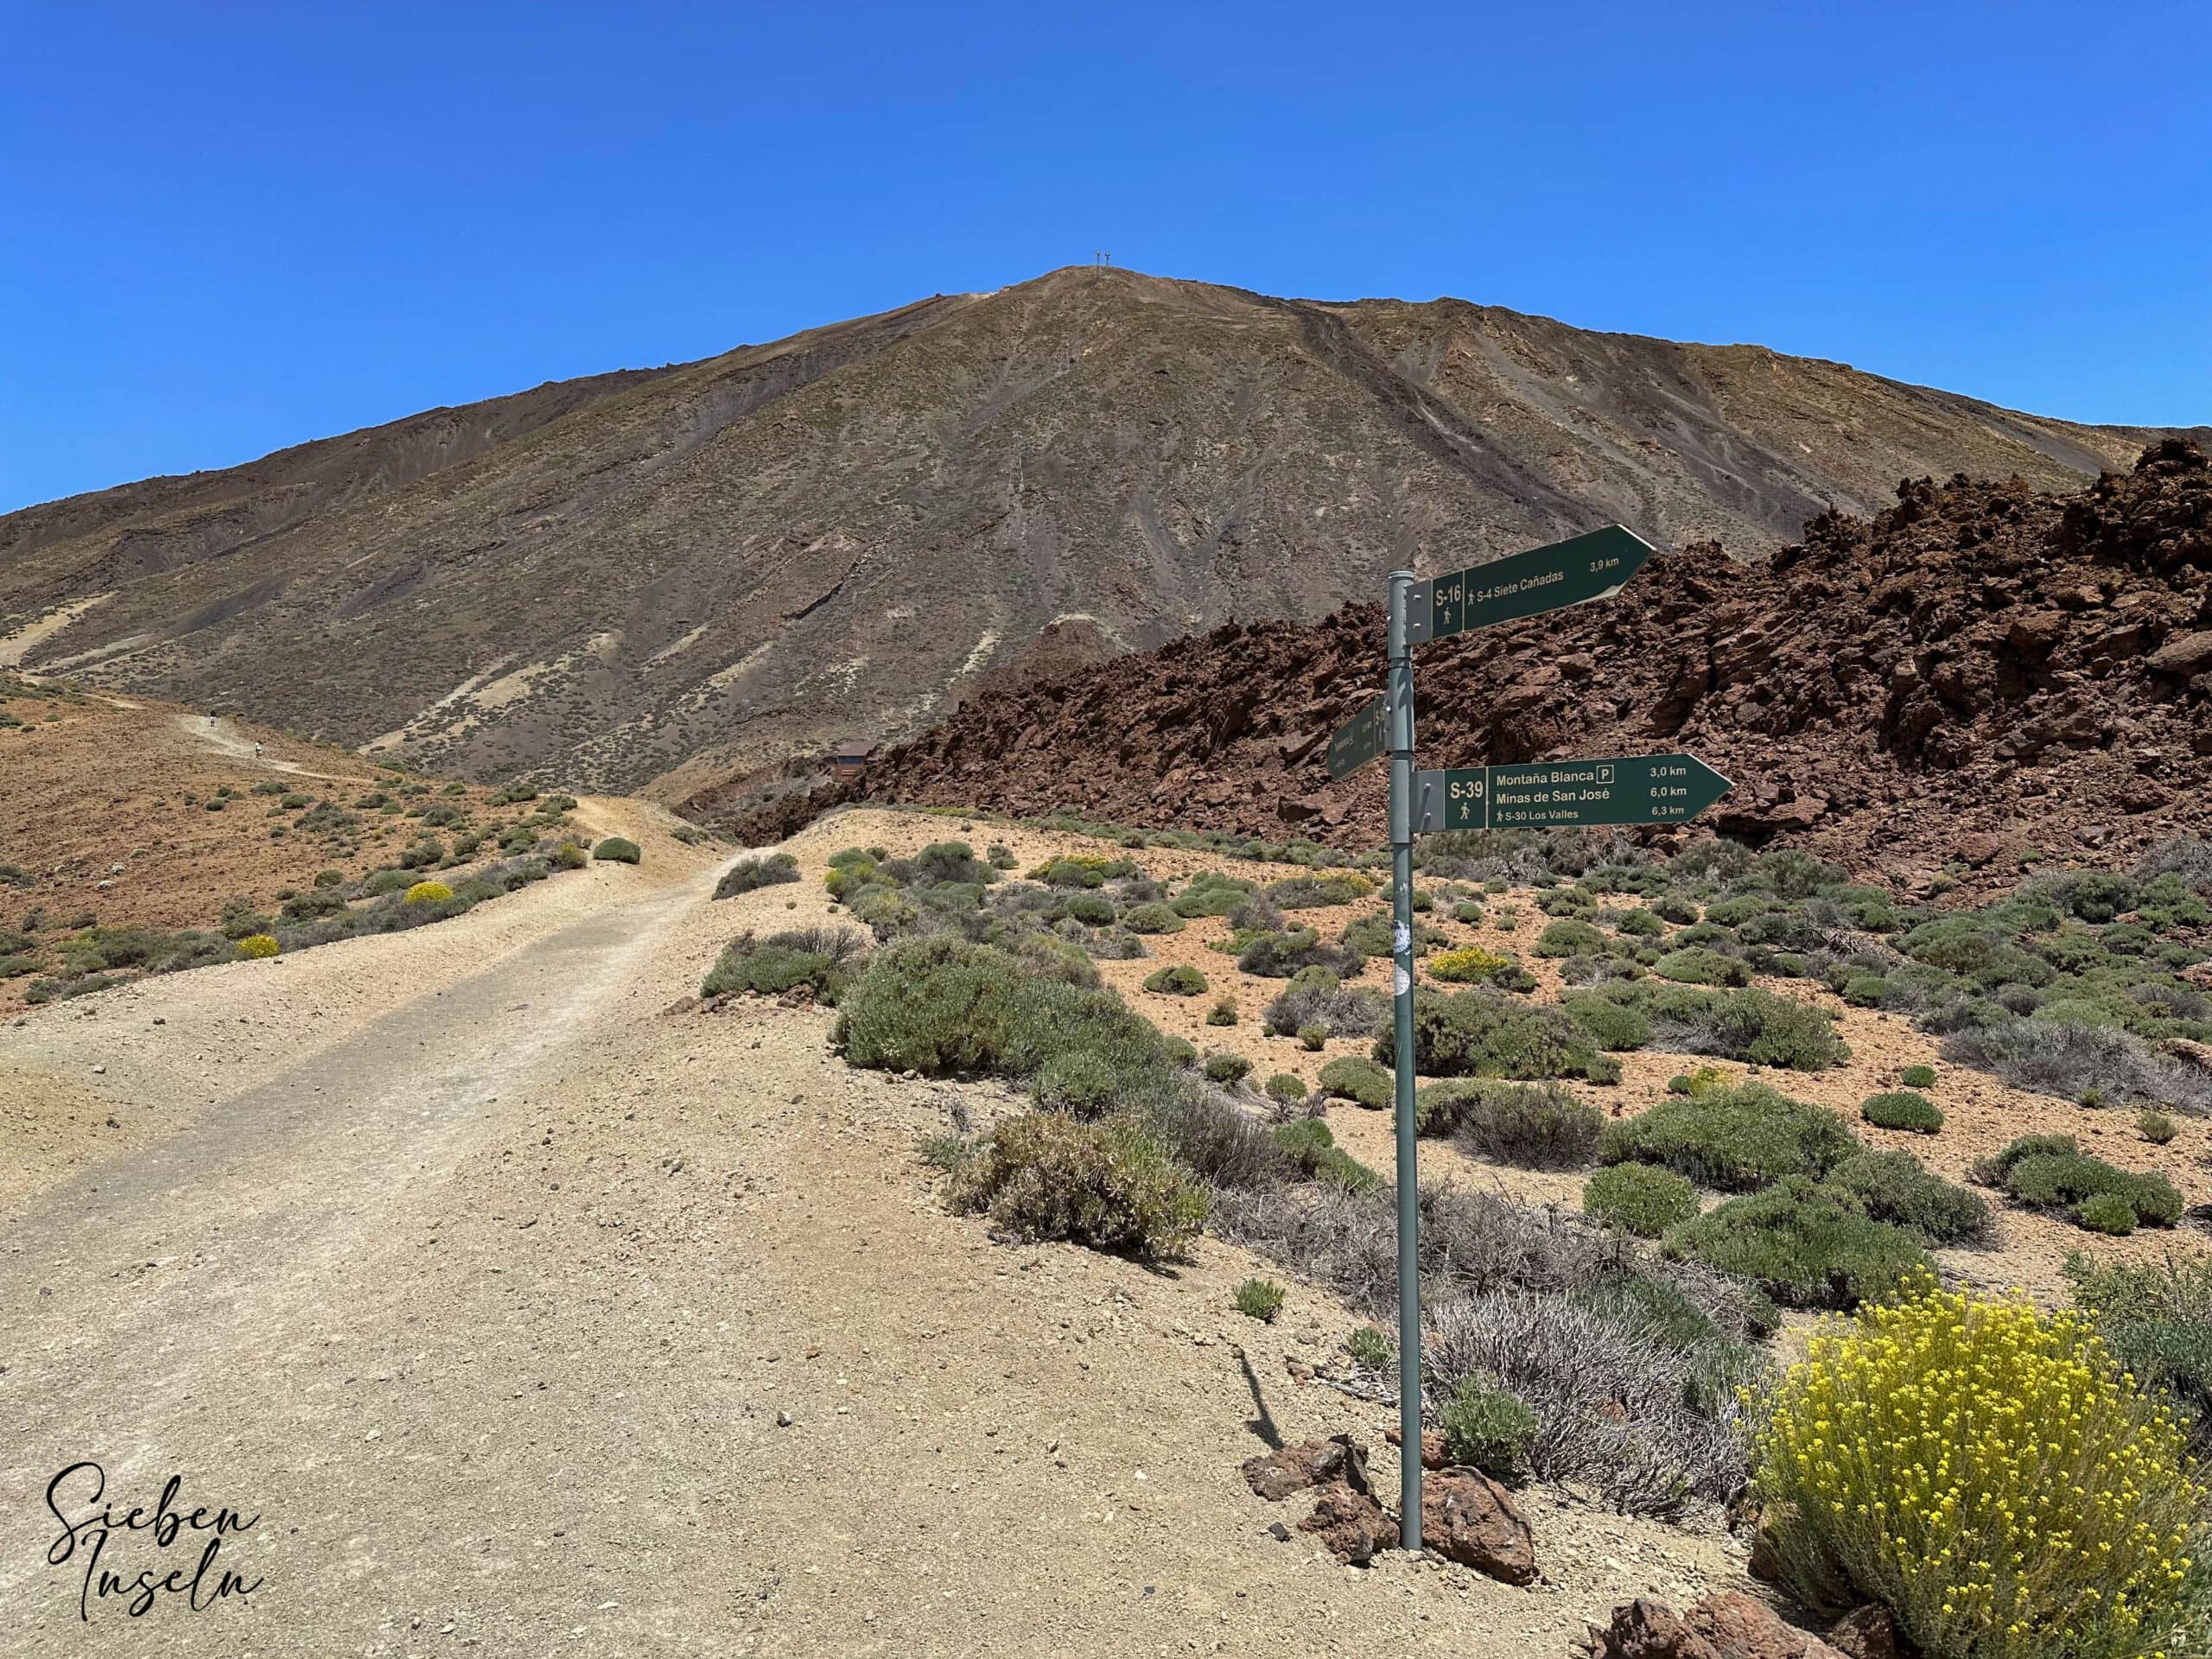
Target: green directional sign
[
  {"x": 1360, "y": 739},
  {"x": 1525, "y": 584},
  {"x": 1549, "y": 794}
]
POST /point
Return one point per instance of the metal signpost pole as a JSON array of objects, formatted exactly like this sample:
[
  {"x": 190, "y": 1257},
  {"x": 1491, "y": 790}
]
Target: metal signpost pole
[
  {"x": 1400, "y": 706},
  {"x": 1627, "y": 789}
]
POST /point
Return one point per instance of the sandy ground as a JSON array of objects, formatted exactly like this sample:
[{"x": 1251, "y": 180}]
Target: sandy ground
[
  {"x": 483, "y": 1278},
  {"x": 102, "y": 802}
]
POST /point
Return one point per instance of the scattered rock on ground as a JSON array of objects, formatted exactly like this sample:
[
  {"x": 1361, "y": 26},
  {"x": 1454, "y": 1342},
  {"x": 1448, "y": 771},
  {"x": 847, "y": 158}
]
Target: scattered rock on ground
[
  {"x": 1432, "y": 1454},
  {"x": 1467, "y": 1517},
  {"x": 1276, "y": 1475},
  {"x": 1726, "y": 1625},
  {"x": 1869, "y": 1633},
  {"x": 1351, "y": 1524}
]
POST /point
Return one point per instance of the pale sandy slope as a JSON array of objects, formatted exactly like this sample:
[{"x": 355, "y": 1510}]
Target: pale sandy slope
[{"x": 484, "y": 1278}]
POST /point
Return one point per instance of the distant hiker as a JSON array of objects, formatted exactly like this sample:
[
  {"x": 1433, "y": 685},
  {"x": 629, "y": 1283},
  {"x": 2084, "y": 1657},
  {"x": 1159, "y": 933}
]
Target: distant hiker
[{"x": 256, "y": 751}]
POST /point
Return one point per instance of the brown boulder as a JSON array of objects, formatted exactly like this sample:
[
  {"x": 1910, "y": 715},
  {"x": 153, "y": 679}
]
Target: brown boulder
[
  {"x": 1649, "y": 1630},
  {"x": 1740, "y": 1628},
  {"x": 1276, "y": 1475},
  {"x": 2189, "y": 1052},
  {"x": 1869, "y": 1633},
  {"x": 1467, "y": 1517},
  {"x": 1432, "y": 1454},
  {"x": 2183, "y": 657},
  {"x": 1726, "y": 1625},
  {"x": 1350, "y": 1523}
]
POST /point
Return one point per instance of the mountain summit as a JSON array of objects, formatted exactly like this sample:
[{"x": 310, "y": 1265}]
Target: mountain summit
[{"x": 674, "y": 578}]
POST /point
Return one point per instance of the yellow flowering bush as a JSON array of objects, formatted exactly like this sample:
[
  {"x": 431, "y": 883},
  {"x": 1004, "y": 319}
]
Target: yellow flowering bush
[
  {"x": 1988, "y": 1473},
  {"x": 1467, "y": 965},
  {"x": 428, "y": 893},
  {"x": 258, "y": 944}
]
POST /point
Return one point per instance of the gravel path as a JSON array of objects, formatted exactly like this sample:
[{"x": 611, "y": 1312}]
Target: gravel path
[{"x": 486, "y": 1273}]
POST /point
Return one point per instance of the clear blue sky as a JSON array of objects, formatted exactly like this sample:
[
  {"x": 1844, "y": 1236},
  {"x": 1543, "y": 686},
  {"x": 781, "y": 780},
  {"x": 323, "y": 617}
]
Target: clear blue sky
[{"x": 228, "y": 227}]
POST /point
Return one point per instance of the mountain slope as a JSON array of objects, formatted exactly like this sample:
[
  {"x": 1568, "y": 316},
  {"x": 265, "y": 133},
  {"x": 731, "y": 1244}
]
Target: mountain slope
[{"x": 679, "y": 577}]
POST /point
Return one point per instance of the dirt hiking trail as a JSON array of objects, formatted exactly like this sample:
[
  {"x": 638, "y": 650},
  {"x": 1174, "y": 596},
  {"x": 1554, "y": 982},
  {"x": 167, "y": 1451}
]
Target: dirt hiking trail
[
  {"x": 533, "y": 1312},
  {"x": 214, "y": 732}
]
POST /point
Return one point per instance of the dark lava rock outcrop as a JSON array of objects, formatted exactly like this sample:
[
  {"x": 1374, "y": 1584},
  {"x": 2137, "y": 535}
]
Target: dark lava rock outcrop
[{"x": 1979, "y": 672}]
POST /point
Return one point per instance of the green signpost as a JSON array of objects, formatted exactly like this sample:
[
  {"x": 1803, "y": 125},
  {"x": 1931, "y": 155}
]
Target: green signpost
[
  {"x": 1543, "y": 579},
  {"x": 1360, "y": 739},
  {"x": 1550, "y": 794},
  {"x": 1638, "y": 789}
]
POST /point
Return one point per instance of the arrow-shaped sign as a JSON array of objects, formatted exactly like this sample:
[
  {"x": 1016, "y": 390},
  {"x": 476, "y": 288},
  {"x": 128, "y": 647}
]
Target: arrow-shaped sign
[
  {"x": 1548, "y": 794},
  {"x": 1589, "y": 566},
  {"x": 1360, "y": 739}
]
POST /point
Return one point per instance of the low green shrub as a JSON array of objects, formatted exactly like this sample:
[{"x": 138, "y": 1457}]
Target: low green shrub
[
  {"x": 1223, "y": 1012},
  {"x": 940, "y": 1006},
  {"x": 1895, "y": 1187},
  {"x": 2106, "y": 1213},
  {"x": 1437, "y": 1107},
  {"x": 1285, "y": 1086},
  {"x": 1108, "y": 1184},
  {"x": 1058, "y": 958},
  {"x": 1531, "y": 1127},
  {"x": 1319, "y": 892},
  {"x": 1901, "y": 1109},
  {"x": 1481, "y": 1033},
  {"x": 819, "y": 957},
  {"x": 1091, "y": 909},
  {"x": 1210, "y": 894},
  {"x": 1369, "y": 1349},
  {"x": 1803, "y": 1247},
  {"x": 2156, "y": 1318},
  {"x": 1280, "y": 956},
  {"x": 1153, "y": 919},
  {"x": 1179, "y": 979},
  {"x": 2050, "y": 1172},
  {"x": 1360, "y": 1081},
  {"x": 1696, "y": 965},
  {"x": 1225, "y": 1068},
  {"x": 1487, "y": 1427},
  {"x": 1867, "y": 990},
  {"x": 2155, "y": 1127},
  {"x": 1917, "y": 1076},
  {"x": 1610, "y": 1024},
  {"x": 1077, "y": 1082},
  {"x": 1314, "y": 1152},
  {"x": 1641, "y": 1199},
  {"x": 1569, "y": 937},
  {"x": 1317, "y": 1000},
  {"x": 1752, "y": 1025},
  {"x": 566, "y": 856},
  {"x": 1259, "y": 1299},
  {"x": 1706, "y": 1080},
  {"x": 1734, "y": 1139}
]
